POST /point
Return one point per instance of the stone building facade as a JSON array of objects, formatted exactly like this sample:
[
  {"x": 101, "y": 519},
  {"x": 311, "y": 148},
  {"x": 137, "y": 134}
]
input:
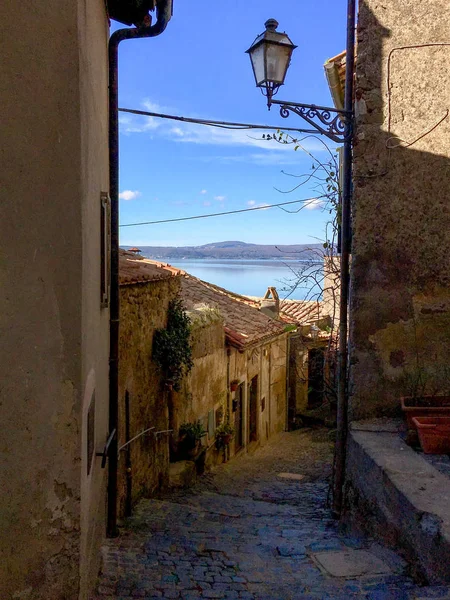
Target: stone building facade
[
  {"x": 244, "y": 375},
  {"x": 54, "y": 330},
  {"x": 400, "y": 274},
  {"x": 146, "y": 290}
]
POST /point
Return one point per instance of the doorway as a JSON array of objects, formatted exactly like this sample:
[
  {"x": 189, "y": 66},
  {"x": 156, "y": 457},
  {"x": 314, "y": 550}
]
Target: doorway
[
  {"x": 253, "y": 412},
  {"x": 239, "y": 417}
]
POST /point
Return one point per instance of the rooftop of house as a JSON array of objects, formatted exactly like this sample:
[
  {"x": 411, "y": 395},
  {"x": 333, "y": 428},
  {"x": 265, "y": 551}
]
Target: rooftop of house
[
  {"x": 335, "y": 74},
  {"x": 301, "y": 312},
  {"x": 136, "y": 269},
  {"x": 244, "y": 324}
]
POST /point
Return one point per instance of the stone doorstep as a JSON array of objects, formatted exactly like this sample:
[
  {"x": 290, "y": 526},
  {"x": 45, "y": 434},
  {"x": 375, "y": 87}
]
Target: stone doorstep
[
  {"x": 410, "y": 497},
  {"x": 182, "y": 474}
]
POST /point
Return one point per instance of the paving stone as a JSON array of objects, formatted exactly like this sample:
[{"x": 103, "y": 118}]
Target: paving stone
[
  {"x": 351, "y": 563},
  {"x": 244, "y": 532}
]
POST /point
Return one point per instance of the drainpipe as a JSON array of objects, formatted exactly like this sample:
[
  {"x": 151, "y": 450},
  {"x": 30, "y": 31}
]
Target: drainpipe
[
  {"x": 164, "y": 13},
  {"x": 342, "y": 404}
]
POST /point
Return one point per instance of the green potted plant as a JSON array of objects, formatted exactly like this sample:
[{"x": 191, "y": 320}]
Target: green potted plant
[
  {"x": 224, "y": 434},
  {"x": 190, "y": 436}
]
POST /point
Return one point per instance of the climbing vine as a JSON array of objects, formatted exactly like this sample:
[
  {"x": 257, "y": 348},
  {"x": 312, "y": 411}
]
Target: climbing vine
[{"x": 172, "y": 349}]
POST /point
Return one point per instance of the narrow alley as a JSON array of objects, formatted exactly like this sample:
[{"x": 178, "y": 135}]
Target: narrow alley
[{"x": 257, "y": 528}]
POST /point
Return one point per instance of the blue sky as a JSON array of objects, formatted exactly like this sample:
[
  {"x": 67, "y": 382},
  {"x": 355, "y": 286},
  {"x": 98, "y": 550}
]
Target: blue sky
[{"x": 198, "y": 68}]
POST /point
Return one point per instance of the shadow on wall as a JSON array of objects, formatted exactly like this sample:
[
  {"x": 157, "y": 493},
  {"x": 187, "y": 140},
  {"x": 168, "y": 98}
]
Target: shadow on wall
[{"x": 400, "y": 298}]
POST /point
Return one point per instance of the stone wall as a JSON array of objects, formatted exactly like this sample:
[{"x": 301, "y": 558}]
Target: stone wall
[
  {"x": 267, "y": 361},
  {"x": 143, "y": 309},
  {"x": 203, "y": 396},
  {"x": 54, "y": 333},
  {"x": 400, "y": 298}
]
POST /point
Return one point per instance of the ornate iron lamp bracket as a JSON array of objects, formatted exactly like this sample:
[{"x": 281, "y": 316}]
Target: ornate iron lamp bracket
[{"x": 335, "y": 124}]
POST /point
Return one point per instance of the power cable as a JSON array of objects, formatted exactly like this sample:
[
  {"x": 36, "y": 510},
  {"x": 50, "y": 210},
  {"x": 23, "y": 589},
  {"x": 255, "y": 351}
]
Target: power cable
[
  {"x": 230, "y": 212},
  {"x": 210, "y": 123}
]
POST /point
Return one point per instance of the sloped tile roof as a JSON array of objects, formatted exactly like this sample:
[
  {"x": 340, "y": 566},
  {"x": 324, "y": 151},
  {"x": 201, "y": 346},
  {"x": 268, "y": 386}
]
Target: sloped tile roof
[
  {"x": 335, "y": 74},
  {"x": 300, "y": 312},
  {"x": 244, "y": 324},
  {"x": 135, "y": 269}
]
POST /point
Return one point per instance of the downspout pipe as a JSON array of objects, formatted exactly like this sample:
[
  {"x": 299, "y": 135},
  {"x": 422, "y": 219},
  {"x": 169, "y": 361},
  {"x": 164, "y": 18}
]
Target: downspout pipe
[
  {"x": 164, "y": 13},
  {"x": 342, "y": 404}
]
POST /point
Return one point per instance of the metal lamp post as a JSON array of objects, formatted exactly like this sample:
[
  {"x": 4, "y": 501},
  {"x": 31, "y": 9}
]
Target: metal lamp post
[{"x": 270, "y": 55}]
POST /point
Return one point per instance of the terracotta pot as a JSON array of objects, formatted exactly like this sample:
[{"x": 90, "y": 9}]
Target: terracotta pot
[
  {"x": 234, "y": 385},
  {"x": 226, "y": 439},
  {"x": 425, "y": 406},
  {"x": 434, "y": 434}
]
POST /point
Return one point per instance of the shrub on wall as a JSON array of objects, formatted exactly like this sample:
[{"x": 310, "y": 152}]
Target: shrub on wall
[{"x": 172, "y": 349}]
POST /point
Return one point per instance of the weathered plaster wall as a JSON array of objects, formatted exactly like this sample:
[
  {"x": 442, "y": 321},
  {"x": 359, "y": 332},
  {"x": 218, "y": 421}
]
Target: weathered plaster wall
[
  {"x": 278, "y": 385},
  {"x": 400, "y": 301},
  {"x": 298, "y": 376},
  {"x": 331, "y": 290},
  {"x": 268, "y": 361},
  {"x": 54, "y": 163},
  {"x": 205, "y": 388},
  {"x": 143, "y": 309},
  {"x": 93, "y": 33}
]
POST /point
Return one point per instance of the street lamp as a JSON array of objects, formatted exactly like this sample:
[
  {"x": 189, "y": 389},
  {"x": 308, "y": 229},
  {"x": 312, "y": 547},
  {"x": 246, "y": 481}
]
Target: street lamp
[{"x": 270, "y": 55}]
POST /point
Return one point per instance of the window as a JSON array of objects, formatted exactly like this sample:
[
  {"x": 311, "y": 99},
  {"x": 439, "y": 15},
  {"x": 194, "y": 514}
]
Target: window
[{"x": 105, "y": 246}]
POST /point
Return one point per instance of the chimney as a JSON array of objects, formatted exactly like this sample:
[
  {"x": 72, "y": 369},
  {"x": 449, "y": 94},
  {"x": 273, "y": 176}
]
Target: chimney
[{"x": 270, "y": 304}]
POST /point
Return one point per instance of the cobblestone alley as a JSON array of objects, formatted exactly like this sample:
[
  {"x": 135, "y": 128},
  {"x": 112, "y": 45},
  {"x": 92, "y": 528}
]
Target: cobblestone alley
[{"x": 256, "y": 528}]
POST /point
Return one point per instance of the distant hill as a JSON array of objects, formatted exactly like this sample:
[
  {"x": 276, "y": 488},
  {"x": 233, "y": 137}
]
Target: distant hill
[{"x": 234, "y": 250}]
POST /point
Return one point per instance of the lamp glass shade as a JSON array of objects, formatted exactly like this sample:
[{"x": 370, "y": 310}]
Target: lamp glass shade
[{"x": 270, "y": 55}]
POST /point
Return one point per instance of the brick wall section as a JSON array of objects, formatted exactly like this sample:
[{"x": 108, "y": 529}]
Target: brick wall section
[
  {"x": 400, "y": 299},
  {"x": 143, "y": 310}
]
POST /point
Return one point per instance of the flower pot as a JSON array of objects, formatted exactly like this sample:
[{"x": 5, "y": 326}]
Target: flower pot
[
  {"x": 425, "y": 406},
  {"x": 434, "y": 434},
  {"x": 226, "y": 439},
  {"x": 234, "y": 385}
]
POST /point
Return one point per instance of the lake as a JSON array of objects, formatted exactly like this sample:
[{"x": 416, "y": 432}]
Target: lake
[{"x": 248, "y": 277}]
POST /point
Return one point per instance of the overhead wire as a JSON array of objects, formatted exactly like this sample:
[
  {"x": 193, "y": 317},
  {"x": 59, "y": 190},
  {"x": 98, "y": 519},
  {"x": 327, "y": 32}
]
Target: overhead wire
[
  {"x": 229, "y": 212},
  {"x": 211, "y": 123},
  {"x": 223, "y": 125}
]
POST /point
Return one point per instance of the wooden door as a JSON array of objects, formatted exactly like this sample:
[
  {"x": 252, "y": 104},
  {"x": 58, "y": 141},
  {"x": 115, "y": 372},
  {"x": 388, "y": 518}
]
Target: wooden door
[
  {"x": 239, "y": 417},
  {"x": 253, "y": 410}
]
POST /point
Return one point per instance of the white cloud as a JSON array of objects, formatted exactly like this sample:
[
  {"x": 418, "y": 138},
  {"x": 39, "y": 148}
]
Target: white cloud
[
  {"x": 251, "y": 202},
  {"x": 129, "y": 194},
  {"x": 219, "y": 198},
  {"x": 203, "y": 192},
  {"x": 194, "y": 133},
  {"x": 130, "y": 123},
  {"x": 264, "y": 206},
  {"x": 206, "y": 203},
  {"x": 314, "y": 204}
]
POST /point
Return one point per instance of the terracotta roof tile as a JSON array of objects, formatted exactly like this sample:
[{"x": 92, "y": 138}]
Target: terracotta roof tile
[
  {"x": 300, "y": 312},
  {"x": 244, "y": 324},
  {"x": 135, "y": 269}
]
